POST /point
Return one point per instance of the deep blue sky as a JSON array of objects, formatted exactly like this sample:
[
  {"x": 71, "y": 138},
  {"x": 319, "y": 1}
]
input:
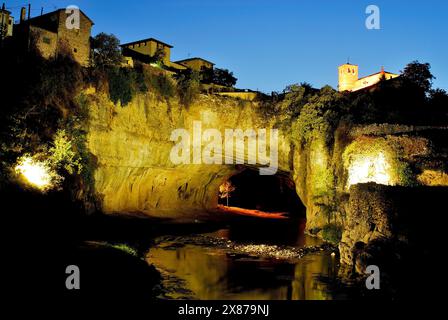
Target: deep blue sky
[{"x": 269, "y": 44}]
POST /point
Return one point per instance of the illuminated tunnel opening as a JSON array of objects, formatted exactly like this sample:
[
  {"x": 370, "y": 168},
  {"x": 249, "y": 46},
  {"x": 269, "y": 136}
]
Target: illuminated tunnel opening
[{"x": 267, "y": 194}]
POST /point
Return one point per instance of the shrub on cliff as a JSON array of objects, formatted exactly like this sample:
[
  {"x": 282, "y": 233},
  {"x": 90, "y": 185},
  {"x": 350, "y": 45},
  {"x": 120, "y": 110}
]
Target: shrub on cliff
[
  {"x": 332, "y": 232},
  {"x": 125, "y": 83},
  {"x": 42, "y": 114},
  {"x": 320, "y": 116},
  {"x": 188, "y": 86},
  {"x": 38, "y": 96},
  {"x": 162, "y": 85},
  {"x": 120, "y": 85}
]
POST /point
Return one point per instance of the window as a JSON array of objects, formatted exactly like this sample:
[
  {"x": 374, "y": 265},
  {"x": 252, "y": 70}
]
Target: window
[
  {"x": 75, "y": 50},
  {"x": 46, "y": 40}
]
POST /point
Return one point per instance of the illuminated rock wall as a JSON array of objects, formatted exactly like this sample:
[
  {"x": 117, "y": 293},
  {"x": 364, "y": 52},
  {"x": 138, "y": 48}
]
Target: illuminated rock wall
[
  {"x": 135, "y": 175},
  {"x": 132, "y": 144}
]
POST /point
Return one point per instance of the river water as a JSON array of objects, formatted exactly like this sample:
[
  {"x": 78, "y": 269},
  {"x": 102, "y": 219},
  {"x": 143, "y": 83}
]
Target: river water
[{"x": 193, "y": 269}]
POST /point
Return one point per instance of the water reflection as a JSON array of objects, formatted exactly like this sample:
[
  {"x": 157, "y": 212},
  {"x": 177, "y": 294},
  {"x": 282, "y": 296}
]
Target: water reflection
[{"x": 213, "y": 273}]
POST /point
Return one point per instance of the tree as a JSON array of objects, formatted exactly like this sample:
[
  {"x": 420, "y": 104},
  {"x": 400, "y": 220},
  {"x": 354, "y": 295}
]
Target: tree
[
  {"x": 223, "y": 77},
  {"x": 419, "y": 74},
  {"x": 106, "y": 50},
  {"x": 438, "y": 99},
  {"x": 225, "y": 190}
]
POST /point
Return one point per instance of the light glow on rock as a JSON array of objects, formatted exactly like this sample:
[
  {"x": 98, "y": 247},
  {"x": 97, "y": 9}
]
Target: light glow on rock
[
  {"x": 36, "y": 173},
  {"x": 369, "y": 168}
]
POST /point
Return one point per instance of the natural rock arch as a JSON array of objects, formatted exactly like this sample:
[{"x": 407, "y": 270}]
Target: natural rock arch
[{"x": 134, "y": 174}]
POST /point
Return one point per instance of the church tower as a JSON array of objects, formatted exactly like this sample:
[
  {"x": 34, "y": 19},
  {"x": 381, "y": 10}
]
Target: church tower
[{"x": 348, "y": 76}]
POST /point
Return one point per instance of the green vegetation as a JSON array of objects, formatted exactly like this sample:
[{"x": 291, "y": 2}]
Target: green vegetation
[
  {"x": 408, "y": 99},
  {"x": 332, "y": 232},
  {"x": 221, "y": 77},
  {"x": 367, "y": 148},
  {"x": 125, "y": 248},
  {"x": 316, "y": 113},
  {"x": 106, "y": 51},
  {"x": 62, "y": 154},
  {"x": 125, "y": 83},
  {"x": 320, "y": 116},
  {"x": 188, "y": 86},
  {"x": 161, "y": 84},
  {"x": 44, "y": 117}
]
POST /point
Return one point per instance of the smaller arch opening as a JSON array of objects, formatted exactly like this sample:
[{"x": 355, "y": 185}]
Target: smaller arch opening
[{"x": 262, "y": 195}]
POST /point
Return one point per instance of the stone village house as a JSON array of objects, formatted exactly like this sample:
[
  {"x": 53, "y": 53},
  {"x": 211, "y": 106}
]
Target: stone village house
[
  {"x": 51, "y": 34},
  {"x": 6, "y": 23}
]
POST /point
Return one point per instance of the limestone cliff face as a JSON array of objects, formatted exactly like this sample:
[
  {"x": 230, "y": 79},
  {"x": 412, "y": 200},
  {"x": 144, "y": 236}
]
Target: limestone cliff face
[
  {"x": 136, "y": 176},
  {"x": 383, "y": 222},
  {"x": 132, "y": 144},
  {"x": 390, "y": 226}
]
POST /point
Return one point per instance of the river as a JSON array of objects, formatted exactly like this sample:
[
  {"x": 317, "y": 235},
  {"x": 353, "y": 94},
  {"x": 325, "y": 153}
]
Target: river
[{"x": 230, "y": 263}]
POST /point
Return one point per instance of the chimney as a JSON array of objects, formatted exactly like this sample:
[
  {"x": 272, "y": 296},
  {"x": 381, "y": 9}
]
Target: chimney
[{"x": 22, "y": 14}]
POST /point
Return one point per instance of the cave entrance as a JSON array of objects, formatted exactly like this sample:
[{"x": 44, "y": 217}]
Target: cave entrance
[{"x": 263, "y": 195}]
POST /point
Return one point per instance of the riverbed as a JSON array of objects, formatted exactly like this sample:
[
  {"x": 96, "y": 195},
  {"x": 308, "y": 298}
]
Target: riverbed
[{"x": 267, "y": 260}]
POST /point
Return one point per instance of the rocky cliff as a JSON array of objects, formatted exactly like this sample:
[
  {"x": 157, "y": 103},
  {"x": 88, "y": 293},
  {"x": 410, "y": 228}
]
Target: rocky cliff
[
  {"x": 136, "y": 176},
  {"x": 132, "y": 144}
]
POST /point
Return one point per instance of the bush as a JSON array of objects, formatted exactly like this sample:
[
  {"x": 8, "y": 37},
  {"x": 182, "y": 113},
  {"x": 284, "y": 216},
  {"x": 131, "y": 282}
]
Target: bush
[
  {"x": 320, "y": 116},
  {"x": 164, "y": 86},
  {"x": 124, "y": 83},
  {"x": 188, "y": 86},
  {"x": 161, "y": 84},
  {"x": 43, "y": 115},
  {"x": 332, "y": 232}
]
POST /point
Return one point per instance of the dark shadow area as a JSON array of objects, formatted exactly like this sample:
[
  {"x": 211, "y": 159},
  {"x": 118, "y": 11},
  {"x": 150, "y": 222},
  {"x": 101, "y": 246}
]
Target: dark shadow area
[
  {"x": 275, "y": 193},
  {"x": 409, "y": 260},
  {"x": 48, "y": 233}
]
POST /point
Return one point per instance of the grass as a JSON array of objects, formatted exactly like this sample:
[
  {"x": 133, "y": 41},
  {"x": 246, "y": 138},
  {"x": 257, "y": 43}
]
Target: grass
[{"x": 125, "y": 248}]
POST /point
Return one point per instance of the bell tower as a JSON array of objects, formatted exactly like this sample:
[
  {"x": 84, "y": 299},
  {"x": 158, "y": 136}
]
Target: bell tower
[{"x": 348, "y": 75}]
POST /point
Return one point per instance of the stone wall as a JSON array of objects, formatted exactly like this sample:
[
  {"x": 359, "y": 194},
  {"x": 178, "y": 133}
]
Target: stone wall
[
  {"x": 77, "y": 40},
  {"x": 46, "y": 41},
  {"x": 391, "y": 226}
]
